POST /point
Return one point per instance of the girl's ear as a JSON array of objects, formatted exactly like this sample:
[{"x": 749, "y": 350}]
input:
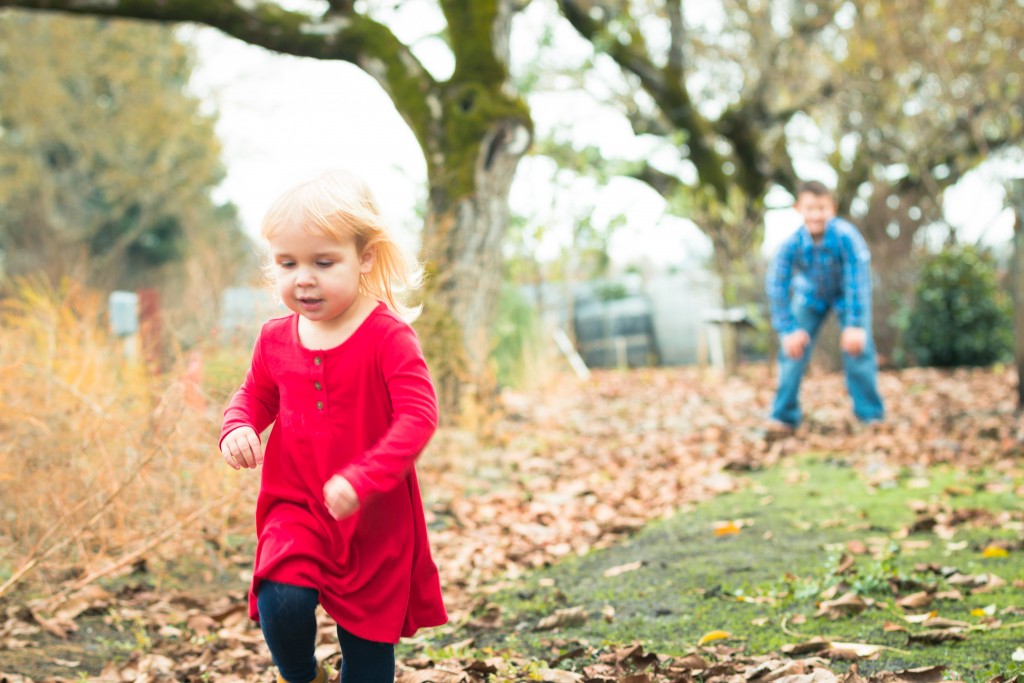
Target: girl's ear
[{"x": 367, "y": 259}]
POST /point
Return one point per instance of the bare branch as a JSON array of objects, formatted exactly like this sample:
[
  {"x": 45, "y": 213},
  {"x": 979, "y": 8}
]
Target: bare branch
[
  {"x": 677, "y": 36},
  {"x": 668, "y": 90}
]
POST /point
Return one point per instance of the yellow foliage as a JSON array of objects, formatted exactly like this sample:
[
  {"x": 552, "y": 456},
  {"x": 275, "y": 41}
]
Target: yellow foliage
[{"x": 98, "y": 454}]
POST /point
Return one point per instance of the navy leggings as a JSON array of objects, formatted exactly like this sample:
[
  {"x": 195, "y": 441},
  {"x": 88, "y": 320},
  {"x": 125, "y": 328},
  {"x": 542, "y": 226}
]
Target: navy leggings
[{"x": 288, "y": 620}]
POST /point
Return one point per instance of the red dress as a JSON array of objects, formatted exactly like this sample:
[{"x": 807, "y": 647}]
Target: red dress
[{"x": 365, "y": 410}]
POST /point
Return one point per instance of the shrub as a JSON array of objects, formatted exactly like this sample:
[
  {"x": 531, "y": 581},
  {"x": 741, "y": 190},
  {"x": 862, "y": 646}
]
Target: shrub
[
  {"x": 100, "y": 458},
  {"x": 516, "y": 338},
  {"x": 959, "y": 315}
]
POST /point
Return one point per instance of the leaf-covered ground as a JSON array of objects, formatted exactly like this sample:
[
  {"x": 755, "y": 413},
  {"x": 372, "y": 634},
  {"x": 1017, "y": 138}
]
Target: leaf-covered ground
[{"x": 575, "y": 468}]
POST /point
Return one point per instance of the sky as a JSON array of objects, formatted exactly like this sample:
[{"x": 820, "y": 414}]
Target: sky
[{"x": 283, "y": 119}]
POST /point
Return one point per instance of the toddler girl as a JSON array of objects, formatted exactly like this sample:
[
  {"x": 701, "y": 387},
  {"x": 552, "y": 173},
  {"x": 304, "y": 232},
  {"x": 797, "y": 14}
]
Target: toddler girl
[{"x": 339, "y": 519}]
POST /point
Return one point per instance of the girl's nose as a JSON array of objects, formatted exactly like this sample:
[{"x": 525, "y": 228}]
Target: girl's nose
[{"x": 304, "y": 277}]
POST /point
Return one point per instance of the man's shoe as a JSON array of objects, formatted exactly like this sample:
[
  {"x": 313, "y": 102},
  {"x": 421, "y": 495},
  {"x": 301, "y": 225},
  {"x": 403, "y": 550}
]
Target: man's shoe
[{"x": 779, "y": 428}]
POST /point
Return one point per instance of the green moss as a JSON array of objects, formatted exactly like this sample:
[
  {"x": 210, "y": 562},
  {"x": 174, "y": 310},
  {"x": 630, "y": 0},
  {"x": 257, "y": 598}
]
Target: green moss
[
  {"x": 471, "y": 112},
  {"x": 470, "y": 27},
  {"x": 445, "y": 352},
  {"x": 796, "y": 519}
]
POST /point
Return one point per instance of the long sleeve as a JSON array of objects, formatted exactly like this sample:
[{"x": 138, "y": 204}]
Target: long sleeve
[
  {"x": 777, "y": 284},
  {"x": 413, "y": 417},
  {"x": 255, "y": 404},
  {"x": 856, "y": 277}
]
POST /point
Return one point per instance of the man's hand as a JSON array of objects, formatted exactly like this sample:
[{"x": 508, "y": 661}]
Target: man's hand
[
  {"x": 795, "y": 343},
  {"x": 853, "y": 340},
  {"x": 340, "y": 498},
  {"x": 242, "y": 448}
]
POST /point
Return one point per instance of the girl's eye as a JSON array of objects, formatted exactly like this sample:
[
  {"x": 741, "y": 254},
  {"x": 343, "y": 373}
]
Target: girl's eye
[
  {"x": 286, "y": 264},
  {"x": 325, "y": 264}
]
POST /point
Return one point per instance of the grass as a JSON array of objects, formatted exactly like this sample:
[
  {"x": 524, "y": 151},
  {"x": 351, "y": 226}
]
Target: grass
[{"x": 795, "y": 522}]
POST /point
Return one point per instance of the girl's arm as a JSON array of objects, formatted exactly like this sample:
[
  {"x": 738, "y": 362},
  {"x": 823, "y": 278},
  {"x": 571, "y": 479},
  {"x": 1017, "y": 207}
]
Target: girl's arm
[
  {"x": 414, "y": 418},
  {"x": 255, "y": 403}
]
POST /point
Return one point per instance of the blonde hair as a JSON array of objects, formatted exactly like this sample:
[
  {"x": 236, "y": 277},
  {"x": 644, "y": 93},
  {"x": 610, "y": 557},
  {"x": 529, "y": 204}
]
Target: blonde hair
[{"x": 339, "y": 204}]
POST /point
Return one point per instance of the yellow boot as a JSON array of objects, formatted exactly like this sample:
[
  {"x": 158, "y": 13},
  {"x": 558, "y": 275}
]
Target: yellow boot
[{"x": 321, "y": 675}]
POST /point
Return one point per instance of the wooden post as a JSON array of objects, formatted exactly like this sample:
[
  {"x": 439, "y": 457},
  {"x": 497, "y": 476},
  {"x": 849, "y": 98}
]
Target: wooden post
[
  {"x": 1015, "y": 194},
  {"x": 151, "y": 328}
]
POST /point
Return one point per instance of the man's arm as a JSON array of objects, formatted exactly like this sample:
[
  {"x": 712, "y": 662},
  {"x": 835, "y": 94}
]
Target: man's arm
[
  {"x": 856, "y": 288},
  {"x": 777, "y": 285},
  {"x": 856, "y": 275}
]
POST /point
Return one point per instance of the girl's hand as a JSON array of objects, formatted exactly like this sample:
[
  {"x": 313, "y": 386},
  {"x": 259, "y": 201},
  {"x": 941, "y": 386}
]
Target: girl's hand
[
  {"x": 242, "y": 448},
  {"x": 340, "y": 498}
]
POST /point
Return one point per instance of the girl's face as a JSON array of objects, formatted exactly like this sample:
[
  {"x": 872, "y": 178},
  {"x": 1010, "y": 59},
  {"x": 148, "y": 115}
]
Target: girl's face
[{"x": 318, "y": 276}]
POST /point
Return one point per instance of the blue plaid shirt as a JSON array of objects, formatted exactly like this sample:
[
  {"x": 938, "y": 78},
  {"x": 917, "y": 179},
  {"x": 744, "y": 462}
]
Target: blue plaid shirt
[{"x": 834, "y": 273}]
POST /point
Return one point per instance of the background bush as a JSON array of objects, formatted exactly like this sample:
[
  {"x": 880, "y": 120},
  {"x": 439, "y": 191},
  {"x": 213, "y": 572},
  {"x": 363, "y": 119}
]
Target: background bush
[{"x": 959, "y": 315}]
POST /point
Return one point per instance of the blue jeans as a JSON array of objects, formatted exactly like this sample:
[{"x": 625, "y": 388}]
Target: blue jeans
[
  {"x": 861, "y": 373},
  {"x": 288, "y": 620}
]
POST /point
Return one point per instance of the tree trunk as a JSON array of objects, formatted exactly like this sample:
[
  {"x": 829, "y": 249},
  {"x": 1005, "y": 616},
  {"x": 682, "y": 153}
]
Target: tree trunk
[
  {"x": 462, "y": 243},
  {"x": 890, "y": 236},
  {"x": 1016, "y": 198}
]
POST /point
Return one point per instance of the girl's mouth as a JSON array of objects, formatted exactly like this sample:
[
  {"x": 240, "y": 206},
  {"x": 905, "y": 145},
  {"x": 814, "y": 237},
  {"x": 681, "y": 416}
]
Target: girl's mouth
[{"x": 309, "y": 303}]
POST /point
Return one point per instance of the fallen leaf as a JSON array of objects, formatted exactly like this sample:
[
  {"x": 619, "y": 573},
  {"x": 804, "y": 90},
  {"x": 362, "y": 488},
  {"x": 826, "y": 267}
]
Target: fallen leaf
[
  {"x": 925, "y": 674},
  {"x": 559, "y": 676},
  {"x": 856, "y": 547},
  {"x": 622, "y": 569},
  {"x": 845, "y": 605},
  {"x": 859, "y": 649},
  {"x": 726, "y": 529},
  {"x": 949, "y": 595},
  {"x": 488, "y": 668},
  {"x": 815, "y": 644},
  {"x": 845, "y": 564},
  {"x": 940, "y": 622},
  {"x": 692, "y": 661},
  {"x": 462, "y": 645},
  {"x": 992, "y": 582},
  {"x": 920, "y": 618},
  {"x": 490, "y": 619},
  {"x": 994, "y": 551},
  {"x": 90, "y": 597},
  {"x": 953, "y": 490},
  {"x": 71, "y": 664},
  {"x": 712, "y": 636},
  {"x": 935, "y": 637},
  {"x": 637, "y": 678},
  {"x": 570, "y": 616},
  {"x": 915, "y": 600}
]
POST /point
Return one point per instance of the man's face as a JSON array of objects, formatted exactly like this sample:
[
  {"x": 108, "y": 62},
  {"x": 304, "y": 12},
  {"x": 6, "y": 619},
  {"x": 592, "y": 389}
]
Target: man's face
[{"x": 816, "y": 210}]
